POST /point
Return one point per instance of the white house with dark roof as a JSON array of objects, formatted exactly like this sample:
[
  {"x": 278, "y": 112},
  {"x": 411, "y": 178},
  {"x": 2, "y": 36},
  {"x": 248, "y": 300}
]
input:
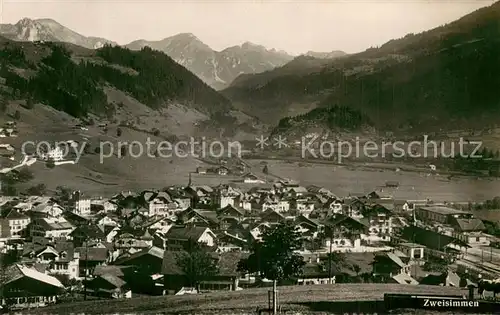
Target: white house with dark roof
[
  {"x": 51, "y": 227},
  {"x": 16, "y": 221}
]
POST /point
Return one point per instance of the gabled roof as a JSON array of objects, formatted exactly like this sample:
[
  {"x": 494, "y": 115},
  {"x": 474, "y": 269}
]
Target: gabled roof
[
  {"x": 431, "y": 239},
  {"x": 151, "y": 251},
  {"x": 92, "y": 253},
  {"x": 92, "y": 231},
  {"x": 227, "y": 263},
  {"x": 13, "y": 214},
  {"x": 114, "y": 280},
  {"x": 230, "y": 210},
  {"x": 469, "y": 225},
  {"x": 186, "y": 233},
  {"x": 19, "y": 271}
]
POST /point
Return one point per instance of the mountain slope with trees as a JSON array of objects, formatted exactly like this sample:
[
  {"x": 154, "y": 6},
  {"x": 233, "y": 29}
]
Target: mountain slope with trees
[
  {"x": 216, "y": 68},
  {"x": 437, "y": 79},
  {"x": 48, "y": 73}
]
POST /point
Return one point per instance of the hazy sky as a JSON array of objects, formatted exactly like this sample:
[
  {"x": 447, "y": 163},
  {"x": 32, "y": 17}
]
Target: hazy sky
[{"x": 294, "y": 26}]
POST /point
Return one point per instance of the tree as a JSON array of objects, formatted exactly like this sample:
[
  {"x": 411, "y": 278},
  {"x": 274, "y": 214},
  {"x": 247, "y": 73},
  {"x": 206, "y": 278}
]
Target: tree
[
  {"x": 265, "y": 170},
  {"x": 50, "y": 163},
  {"x": 63, "y": 194},
  {"x": 37, "y": 190},
  {"x": 9, "y": 190},
  {"x": 97, "y": 150},
  {"x": 25, "y": 175},
  {"x": 30, "y": 103},
  {"x": 155, "y": 132},
  {"x": 357, "y": 269},
  {"x": 119, "y": 132},
  {"x": 3, "y": 104},
  {"x": 274, "y": 258},
  {"x": 123, "y": 151},
  {"x": 17, "y": 115},
  {"x": 196, "y": 263}
]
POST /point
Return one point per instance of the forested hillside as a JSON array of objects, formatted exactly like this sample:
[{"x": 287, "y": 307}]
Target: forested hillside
[
  {"x": 72, "y": 82},
  {"x": 440, "y": 78}
]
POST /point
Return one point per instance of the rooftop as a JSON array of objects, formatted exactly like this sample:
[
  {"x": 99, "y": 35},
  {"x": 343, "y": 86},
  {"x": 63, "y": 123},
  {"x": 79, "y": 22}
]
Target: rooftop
[{"x": 443, "y": 210}]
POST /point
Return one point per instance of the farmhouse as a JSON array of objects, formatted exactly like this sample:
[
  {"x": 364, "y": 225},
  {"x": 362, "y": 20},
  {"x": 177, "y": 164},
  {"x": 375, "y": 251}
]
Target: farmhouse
[
  {"x": 226, "y": 279},
  {"x": 26, "y": 287}
]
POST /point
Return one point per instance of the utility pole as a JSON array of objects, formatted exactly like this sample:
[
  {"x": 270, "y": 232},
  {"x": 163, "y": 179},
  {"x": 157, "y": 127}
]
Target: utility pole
[
  {"x": 275, "y": 297},
  {"x": 85, "y": 271},
  {"x": 330, "y": 256}
]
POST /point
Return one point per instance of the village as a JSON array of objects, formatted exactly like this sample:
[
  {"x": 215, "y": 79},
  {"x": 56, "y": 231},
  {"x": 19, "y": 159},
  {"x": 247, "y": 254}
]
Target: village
[{"x": 73, "y": 247}]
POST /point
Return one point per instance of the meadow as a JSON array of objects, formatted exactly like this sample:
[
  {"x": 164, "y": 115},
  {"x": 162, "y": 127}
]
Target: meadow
[
  {"x": 343, "y": 180},
  {"x": 246, "y": 301}
]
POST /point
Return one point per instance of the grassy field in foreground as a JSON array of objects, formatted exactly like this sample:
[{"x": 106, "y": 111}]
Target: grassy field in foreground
[{"x": 245, "y": 301}]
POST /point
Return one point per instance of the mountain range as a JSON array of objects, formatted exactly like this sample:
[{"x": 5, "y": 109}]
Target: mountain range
[
  {"x": 436, "y": 79},
  {"x": 216, "y": 68}
]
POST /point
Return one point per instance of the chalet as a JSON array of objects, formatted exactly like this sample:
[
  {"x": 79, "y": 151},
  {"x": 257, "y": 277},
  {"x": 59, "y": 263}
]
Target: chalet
[
  {"x": 230, "y": 211},
  {"x": 447, "y": 278},
  {"x": 227, "y": 242},
  {"x": 226, "y": 279},
  {"x": 334, "y": 204},
  {"x": 49, "y": 209},
  {"x": 150, "y": 259},
  {"x": 201, "y": 195},
  {"x": 392, "y": 184},
  {"x": 388, "y": 265},
  {"x": 179, "y": 236},
  {"x": 108, "y": 220},
  {"x": 16, "y": 222},
  {"x": 272, "y": 216},
  {"x": 90, "y": 258},
  {"x": 87, "y": 233},
  {"x": 321, "y": 191},
  {"x": 411, "y": 250},
  {"x": 258, "y": 228},
  {"x": 343, "y": 232},
  {"x": 222, "y": 170},
  {"x": 75, "y": 219},
  {"x": 308, "y": 227},
  {"x": 7, "y": 150},
  {"x": 25, "y": 287},
  {"x": 161, "y": 224},
  {"x": 403, "y": 206},
  {"x": 98, "y": 205},
  {"x": 315, "y": 273},
  {"x": 379, "y": 218},
  {"x": 57, "y": 258},
  {"x": 50, "y": 227},
  {"x": 128, "y": 243},
  {"x": 109, "y": 232},
  {"x": 303, "y": 205},
  {"x": 353, "y": 207},
  {"x": 199, "y": 217},
  {"x": 109, "y": 286},
  {"x": 252, "y": 179}
]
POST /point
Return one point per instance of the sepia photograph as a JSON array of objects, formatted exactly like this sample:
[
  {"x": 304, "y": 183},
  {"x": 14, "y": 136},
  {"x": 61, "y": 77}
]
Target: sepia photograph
[{"x": 244, "y": 157}]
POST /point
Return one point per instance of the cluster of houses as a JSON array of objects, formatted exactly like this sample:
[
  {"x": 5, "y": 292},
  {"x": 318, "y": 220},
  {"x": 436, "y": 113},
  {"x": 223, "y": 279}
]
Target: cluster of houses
[
  {"x": 127, "y": 244},
  {"x": 9, "y": 129}
]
